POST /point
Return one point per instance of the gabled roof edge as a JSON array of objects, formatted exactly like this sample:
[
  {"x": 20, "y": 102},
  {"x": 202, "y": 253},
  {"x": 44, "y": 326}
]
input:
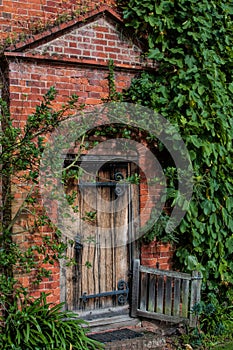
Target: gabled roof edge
[{"x": 54, "y": 31}]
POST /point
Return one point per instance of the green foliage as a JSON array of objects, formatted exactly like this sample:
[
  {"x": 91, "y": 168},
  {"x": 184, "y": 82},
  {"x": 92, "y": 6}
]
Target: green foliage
[
  {"x": 113, "y": 94},
  {"x": 192, "y": 41},
  {"x": 215, "y": 322},
  {"x": 90, "y": 216},
  {"x": 134, "y": 179},
  {"x": 38, "y": 325},
  {"x": 28, "y": 323},
  {"x": 21, "y": 149},
  {"x": 226, "y": 346},
  {"x": 20, "y": 155},
  {"x": 155, "y": 228}
]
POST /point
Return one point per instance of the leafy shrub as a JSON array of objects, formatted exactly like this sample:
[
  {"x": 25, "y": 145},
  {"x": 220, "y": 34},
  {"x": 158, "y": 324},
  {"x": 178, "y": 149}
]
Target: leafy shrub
[
  {"x": 215, "y": 323},
  {"x": 38, "y": 325}
]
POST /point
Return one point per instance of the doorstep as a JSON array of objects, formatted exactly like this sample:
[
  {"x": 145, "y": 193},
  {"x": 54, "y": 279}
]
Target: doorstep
[
  {"x": 109, "y": 319},
  {"x": 115, "y": 322}
]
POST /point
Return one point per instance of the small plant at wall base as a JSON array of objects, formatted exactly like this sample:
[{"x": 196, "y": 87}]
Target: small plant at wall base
[
  {"x": 192, "y": 42},
  {"x": 31, "y": 323},
  {"x": 215, "y": 321}
]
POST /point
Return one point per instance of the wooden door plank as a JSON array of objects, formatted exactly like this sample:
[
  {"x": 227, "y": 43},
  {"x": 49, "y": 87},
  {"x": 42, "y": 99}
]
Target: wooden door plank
[
  {"x": 90, "y": 256},
  {"x": 120, "y": 212},
  {"x": 104, "y": 224}
]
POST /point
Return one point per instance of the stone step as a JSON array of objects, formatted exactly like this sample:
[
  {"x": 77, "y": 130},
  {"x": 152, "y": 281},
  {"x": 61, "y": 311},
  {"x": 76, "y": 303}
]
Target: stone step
[
  {"x": 144, "y": 340},
  {"x": 148, "y": 341}
]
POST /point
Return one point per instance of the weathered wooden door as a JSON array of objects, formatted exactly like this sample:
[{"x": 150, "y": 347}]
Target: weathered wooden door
[{"x": 105, "y": 245}]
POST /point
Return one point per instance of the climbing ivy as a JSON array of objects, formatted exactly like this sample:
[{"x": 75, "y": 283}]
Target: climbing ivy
[
  {"x": 20, "y": 156},
  {"x": 192, "y": 87}
]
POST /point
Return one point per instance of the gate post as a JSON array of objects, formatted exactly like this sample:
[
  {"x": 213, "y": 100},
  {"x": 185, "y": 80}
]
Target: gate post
[
  {"x": 195, "y": 296},
  {"x": 135, "y": 288}
]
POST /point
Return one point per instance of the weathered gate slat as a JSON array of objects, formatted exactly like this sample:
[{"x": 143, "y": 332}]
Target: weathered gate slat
[
  {"x": 152, "y": 293},
  {"x": 176, "y": 308},
  {"x": 160, "y": 295},
  {"x": 164, "y": 295},
  {"x": 168, "y": 296},
  {"x": 185, "y": 298},
  {"x": 143, "y": 295},
  {"x": 175, "y": 274},
  {"x": 160, "y": 317},
  {"x": 195, "y": 295},
  {"x": 135, "y": 288}
]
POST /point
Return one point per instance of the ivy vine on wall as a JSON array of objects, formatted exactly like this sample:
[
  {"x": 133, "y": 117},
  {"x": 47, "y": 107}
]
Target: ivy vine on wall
[{"x": 193, "y": 43}]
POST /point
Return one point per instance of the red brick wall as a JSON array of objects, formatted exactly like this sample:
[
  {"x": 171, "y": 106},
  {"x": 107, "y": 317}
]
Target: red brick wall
[
  {"x": 25, "y": 16},
  {"x": 75, "y": 62},
  {"x": 154, "y": 254},
  {"x": 50, "y": 285},
  {"x": 97, "y": 41},
  {"x": 28, "y": 82},
  {"x": 157, "y": 255}
]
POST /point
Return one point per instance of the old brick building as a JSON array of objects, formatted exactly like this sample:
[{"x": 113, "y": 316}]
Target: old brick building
[{"x": 68, "y": 44}]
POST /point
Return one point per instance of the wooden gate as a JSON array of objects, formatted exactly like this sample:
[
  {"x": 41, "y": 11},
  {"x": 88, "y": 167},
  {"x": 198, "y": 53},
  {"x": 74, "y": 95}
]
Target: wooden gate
[
  {"x": 164, "y": 295},
  {"x": 104, "y": 247}
]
